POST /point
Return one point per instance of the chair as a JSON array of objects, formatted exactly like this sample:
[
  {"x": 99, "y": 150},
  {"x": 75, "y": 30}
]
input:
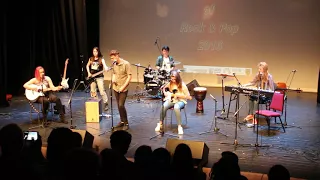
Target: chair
[
  {"x": 38, "y": 110},
  {"x": 185, "y": 115},
  {"x": 276, "y": 105}
]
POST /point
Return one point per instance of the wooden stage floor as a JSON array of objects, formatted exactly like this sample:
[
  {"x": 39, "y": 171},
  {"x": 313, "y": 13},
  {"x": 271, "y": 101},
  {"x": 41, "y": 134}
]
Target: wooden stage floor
[{"x": 298, "y": 148}]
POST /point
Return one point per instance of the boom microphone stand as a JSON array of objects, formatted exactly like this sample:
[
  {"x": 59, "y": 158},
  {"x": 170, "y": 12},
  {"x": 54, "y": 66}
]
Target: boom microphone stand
[
  {"x": 162, "y": 132},
  {"x": 215, "y": 129},
  {"x": 70, "y": 102}
]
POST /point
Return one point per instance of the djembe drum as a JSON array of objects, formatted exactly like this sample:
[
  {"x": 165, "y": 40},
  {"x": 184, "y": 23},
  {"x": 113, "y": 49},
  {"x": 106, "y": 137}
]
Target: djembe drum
[{"x": 200, "y": 94}]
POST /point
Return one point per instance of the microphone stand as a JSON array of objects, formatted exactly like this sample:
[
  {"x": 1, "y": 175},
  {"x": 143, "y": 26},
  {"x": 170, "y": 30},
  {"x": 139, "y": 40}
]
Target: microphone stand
[
  {"x": 215, "y": 129},
  {"x": 162, "y": 132},
  {"x": 236, "y": 115},
  {"x": 70, "y": 102},
  {"x": 111, "y": 109}
]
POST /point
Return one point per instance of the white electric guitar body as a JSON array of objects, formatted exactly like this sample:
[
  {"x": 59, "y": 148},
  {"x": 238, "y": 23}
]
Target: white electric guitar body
[{"x": 64, "y": 82}]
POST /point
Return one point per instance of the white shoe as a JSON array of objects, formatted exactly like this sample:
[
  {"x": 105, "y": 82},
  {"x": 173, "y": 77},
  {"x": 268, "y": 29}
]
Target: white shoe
[
  {"x": 180, "y": 129},
  {"x": 157, "y": 129}
]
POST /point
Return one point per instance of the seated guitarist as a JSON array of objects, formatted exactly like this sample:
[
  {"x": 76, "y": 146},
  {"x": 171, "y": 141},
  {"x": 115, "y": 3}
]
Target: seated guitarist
[
  {"x": 42, "y": 83},
  {"x": 176, "y": 97},
  {"x": 96, "y": 64}
]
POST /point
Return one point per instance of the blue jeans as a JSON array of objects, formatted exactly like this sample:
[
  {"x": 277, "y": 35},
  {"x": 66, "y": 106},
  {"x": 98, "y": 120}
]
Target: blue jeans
[
  {"x": 177, "y": 108},
  {"x": 93, "y": 87}
]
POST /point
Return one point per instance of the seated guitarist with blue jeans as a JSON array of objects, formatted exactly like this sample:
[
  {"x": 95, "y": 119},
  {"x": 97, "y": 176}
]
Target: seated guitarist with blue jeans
[
  {"x": 176, "y": 95},
  {"x": 96, "y": 64},
  {"x": 41, "y": 83}
]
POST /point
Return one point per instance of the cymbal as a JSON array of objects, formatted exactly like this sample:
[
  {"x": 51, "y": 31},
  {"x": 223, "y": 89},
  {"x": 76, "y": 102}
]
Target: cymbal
[
  {"x": 176, "y": 62},
  {"x": 138, "y": 65},
  {"x": 225, "y": 75}
]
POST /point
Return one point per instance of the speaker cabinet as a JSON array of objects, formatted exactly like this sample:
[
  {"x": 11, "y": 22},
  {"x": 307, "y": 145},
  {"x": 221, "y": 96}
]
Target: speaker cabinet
[
  {"x": 191, "y": 85},
  {"x": 93, "y": 110},
  {"x": 199, "y": 149},
  {"x": 87, "y": 138}
]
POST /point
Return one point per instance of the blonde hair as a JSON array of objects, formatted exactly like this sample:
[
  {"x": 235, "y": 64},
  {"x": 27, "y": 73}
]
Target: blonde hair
[{"x": 265, "y": 68}]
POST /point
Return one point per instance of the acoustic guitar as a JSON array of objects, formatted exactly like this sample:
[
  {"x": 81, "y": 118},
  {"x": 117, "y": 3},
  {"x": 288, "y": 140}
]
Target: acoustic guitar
[{"x": 33, "y": 95}]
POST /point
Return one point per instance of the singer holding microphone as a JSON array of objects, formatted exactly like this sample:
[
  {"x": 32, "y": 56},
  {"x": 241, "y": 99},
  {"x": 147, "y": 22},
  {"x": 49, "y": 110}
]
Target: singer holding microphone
[
  {"x": 121, "y": 78},
  {"x": 176, "y": 95},
  {"x": 262, "y": 80}
]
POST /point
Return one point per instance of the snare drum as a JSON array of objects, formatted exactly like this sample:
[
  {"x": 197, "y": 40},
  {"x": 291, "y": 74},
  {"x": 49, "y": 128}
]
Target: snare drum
[{"x": 200, "y": 94}]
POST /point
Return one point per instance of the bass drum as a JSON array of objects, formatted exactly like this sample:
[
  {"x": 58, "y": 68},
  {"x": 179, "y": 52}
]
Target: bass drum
[{"x": 153, "y": 87}]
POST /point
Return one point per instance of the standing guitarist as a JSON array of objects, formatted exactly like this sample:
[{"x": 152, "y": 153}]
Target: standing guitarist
[
  {"x": 95, "y": 67},
  {"x": 42, "y": 83}
]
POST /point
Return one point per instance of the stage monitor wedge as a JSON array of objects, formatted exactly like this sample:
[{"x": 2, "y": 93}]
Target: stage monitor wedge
[{"x": 199, "y": 149}]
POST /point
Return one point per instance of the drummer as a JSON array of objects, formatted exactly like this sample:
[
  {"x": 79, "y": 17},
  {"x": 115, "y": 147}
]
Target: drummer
[{"x": 165, "y": 62}]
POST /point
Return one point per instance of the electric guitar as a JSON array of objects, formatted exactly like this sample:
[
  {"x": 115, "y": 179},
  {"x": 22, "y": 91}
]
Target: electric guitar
[
  {"x": 64, "y": 81},
  {"x": 90, "y": 79},
  {"x": 33, "y": 95}
]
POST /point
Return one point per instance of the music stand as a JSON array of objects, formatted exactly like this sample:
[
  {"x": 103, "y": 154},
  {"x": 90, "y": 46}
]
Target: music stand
[
  {"x": 215, "y": 129},
  {"x": 223, "y": 76},
  {"x": 162, "y": 132},
  {"x": 82, "y": 82}
]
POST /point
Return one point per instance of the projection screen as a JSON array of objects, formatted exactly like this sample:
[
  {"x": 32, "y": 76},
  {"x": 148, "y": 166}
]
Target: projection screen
[{"x": 210, "y": 37}]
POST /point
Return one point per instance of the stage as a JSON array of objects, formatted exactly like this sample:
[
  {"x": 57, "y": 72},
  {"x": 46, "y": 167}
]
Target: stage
[{"x": 297, "y": 148}]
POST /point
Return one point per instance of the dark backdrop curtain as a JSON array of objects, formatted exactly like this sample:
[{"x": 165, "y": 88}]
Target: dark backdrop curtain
[{"x": 42, "y": 33}]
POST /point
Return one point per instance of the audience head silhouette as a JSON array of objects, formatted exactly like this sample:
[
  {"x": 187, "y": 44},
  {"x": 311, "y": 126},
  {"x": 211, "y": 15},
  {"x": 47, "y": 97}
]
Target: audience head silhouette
[
  {"x": 278, "y": 172},
  {"x": 11, "y": 140},
  {"x": 120, "y": 141}
]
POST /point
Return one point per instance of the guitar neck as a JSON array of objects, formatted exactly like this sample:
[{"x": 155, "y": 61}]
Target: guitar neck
[{"x": 64, "y": 72}]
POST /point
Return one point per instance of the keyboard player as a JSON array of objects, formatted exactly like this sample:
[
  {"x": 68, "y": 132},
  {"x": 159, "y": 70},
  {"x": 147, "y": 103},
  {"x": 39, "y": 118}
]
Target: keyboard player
[{"x": 262, "y": 80}]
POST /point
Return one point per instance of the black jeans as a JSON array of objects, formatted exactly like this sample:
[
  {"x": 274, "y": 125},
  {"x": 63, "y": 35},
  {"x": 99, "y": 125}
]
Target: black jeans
[
  {"x": 50, "y": 98},
  {"x": 121, "y": 99}
]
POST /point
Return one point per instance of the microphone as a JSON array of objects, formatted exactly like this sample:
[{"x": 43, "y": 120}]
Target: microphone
[
  {"x": 294, "y": 71},
  {"x": 212, "y": 97},
  {"x": 114, "y": 62}
]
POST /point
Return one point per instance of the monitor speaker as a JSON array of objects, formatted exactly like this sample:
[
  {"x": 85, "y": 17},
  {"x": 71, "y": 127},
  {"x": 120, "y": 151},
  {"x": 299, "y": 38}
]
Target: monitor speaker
[{"x": 199, "y": 149}]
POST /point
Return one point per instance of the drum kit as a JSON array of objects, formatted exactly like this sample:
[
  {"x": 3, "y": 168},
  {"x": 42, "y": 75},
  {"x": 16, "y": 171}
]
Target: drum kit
[{"x": 153, "y": 79}]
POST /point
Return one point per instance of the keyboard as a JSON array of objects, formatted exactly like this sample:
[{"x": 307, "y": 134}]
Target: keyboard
[{"x": 248, "y": 91}]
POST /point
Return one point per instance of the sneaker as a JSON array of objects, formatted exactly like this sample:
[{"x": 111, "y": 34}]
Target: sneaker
[
  {"x": 158, "y": 128},
  {"x": 125, "y": 126},
  {"x": 180, "y": 129},
  {"x": 120, "y": 124}
]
